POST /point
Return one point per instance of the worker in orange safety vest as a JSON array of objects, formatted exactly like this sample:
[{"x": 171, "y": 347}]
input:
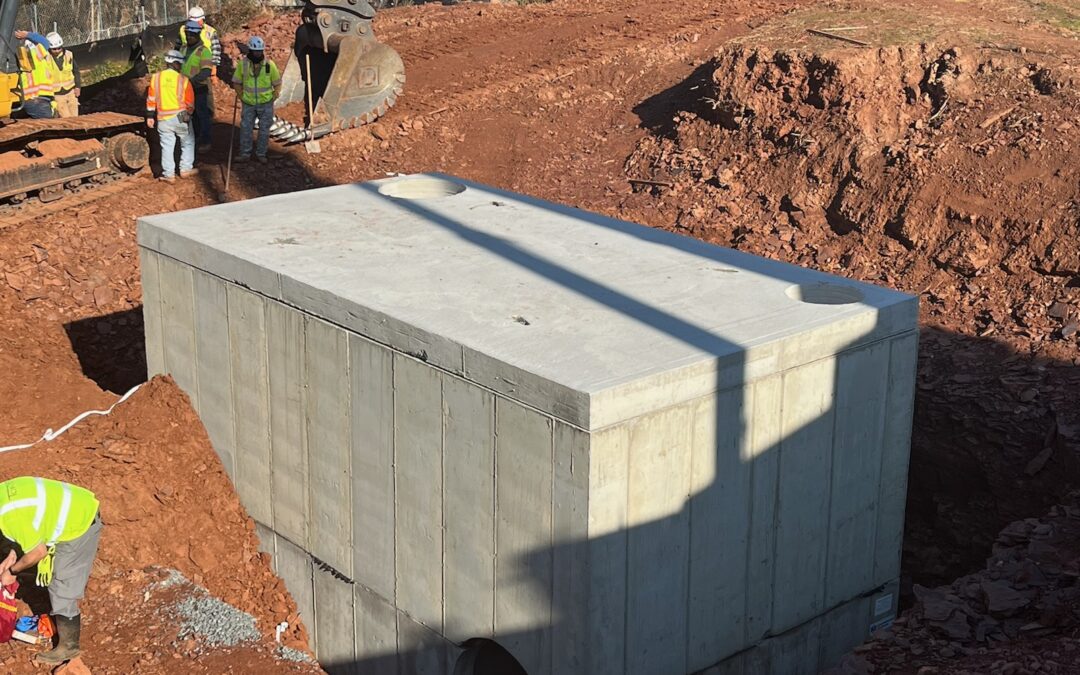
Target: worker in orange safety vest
[{"x": 170, "y": 102}]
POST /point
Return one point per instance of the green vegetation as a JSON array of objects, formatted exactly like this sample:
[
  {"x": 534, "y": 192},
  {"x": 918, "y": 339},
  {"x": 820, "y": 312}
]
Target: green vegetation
[
  {"x": 104, "y": 71},
  {"x": 155, "y": 63},
  {"x": 1063, "y": 14}
]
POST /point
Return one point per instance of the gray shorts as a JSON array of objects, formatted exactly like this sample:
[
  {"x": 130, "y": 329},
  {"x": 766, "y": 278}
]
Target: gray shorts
[{"x": 72, "y": 563}]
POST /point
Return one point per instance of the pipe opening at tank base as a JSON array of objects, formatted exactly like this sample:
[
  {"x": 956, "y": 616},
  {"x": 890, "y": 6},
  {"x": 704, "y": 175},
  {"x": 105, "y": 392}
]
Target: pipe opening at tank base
[{"x": 486, "y": 657}]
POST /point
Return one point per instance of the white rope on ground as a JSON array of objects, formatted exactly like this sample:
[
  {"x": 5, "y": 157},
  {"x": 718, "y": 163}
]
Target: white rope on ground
[{"x": 51, "y": 435}]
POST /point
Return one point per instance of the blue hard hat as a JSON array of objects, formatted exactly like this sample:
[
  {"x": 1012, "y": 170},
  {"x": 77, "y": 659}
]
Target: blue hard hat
[
  {"x": 193, "y": 26},
  {"x": 256, "y": 43}
]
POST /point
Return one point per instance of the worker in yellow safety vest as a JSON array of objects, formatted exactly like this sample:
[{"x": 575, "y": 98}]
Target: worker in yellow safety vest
[
  {"x": 197, "y": 67},
  {"x": 170, "y": 101},
  {"x": 69, "y": 84},
  {"x": 257, "y": 82},
  {"x": 208, "y": 35},
  {"x": 55, "y": 526},
  {"x": 38, "y": 76}
]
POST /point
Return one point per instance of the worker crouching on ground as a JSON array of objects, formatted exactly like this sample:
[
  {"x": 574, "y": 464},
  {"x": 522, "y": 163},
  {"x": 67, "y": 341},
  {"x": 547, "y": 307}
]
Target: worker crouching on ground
[
  {"x": 257, "y": 82},
  {"x": 38, "y": 76},
  {"x": 69, "y": 81},
  {"x": 198, "y": 66},
  {"x": 57, "y": 526},
  {"x": 170, "y": 102}
]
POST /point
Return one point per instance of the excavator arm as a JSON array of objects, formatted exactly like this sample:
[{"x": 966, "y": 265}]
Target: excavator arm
[{"x": 345, "y": 77}]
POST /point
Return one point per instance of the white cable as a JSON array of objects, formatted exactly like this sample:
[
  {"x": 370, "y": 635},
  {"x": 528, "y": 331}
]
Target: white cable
[{"x": 51, "y": 435}]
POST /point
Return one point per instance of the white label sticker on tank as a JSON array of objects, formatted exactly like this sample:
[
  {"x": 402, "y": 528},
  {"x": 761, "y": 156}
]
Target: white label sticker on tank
[{"x": 883, "y": 604}]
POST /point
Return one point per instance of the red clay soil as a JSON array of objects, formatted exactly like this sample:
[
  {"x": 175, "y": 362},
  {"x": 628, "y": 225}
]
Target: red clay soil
[
  {"x": 939, "y": 159},
  {"x": 165, "y": 502}
]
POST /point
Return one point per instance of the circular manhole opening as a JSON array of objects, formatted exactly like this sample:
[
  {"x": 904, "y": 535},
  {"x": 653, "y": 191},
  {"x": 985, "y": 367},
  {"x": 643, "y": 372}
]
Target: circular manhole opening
[
  {"x": 421, "y": 187},
  {"x": 824, "y": 294}
]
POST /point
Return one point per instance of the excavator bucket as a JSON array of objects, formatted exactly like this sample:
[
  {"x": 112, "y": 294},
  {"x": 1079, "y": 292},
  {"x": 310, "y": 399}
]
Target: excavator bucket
[{"x": 342, "y": 74}]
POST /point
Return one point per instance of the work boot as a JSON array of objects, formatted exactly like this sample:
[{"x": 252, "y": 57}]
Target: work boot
[
  {"x": 261, "y": 159},
  {"x": 67, "y": 648},
  {"x": 189, "y": 173}
]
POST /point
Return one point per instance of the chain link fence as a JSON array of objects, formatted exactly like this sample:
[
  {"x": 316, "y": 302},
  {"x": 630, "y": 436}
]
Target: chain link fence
[{"x": 85, "y": 21}]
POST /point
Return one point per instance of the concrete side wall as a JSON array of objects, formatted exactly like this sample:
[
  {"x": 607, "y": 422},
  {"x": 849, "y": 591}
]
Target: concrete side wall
[
  {"x": 329, "y": 438},
  {"x": 779, "y": 502},
  {"x": 412, "y": 509}
]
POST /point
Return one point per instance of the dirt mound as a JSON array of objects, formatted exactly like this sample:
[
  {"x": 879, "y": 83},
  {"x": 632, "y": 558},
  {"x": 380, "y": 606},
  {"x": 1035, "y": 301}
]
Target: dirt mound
[
  {"x": 153, "y": 469},
  {"x": 948, "y": 171}
]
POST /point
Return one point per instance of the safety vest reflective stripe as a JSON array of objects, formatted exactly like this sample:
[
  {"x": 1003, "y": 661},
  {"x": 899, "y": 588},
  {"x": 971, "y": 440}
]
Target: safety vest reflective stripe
[
  {"x": 41, "y": 80},
  {"x": 66, "y": 73},
  {"x": 61, "y": 521},
  {"x": 19, "y": 504},
  {"x": 166, "y": 94},
  {"x": 37, "y": 503},
  {"x": 40, "y": 513},
  {"x": 259, "y": 88},
  {"x": 199, "y": 59}
]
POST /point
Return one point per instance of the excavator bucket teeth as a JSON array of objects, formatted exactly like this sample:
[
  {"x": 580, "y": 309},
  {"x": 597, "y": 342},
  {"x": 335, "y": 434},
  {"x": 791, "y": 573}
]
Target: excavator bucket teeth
[{"x": 351, "y": 86}]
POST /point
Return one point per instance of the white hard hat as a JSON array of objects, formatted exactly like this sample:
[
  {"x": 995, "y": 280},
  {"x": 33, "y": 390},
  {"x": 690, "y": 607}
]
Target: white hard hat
[
  {"x": 196, "y": 13},
  {"x": 55, "y": 41},
  {"x": 173, "y": 56}
]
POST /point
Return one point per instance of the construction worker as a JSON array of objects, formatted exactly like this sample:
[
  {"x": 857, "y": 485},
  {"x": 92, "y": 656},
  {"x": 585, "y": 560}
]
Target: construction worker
[
  {"x": 170, "y": 103},
  {"x": 69, "y": 85},
  {"x": 197, "y": 67},
  {"x": 208, "y": 35},
  {"x": 57, "y": 527},
  {"x": 38, "y": 76},
  {"x": 257, "y": 82}
]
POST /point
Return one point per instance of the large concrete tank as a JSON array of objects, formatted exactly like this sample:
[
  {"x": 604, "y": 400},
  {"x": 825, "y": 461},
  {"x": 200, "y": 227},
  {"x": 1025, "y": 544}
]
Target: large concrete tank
[{"x": 461, "y": 415}]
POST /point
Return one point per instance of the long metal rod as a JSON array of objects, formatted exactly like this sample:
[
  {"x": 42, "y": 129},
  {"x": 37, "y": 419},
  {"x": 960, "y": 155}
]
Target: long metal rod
[{"x": 232, "y": 137}]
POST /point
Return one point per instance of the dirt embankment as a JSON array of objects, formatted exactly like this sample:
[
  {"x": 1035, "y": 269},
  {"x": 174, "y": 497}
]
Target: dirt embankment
[{"x": 165, "y": 502}]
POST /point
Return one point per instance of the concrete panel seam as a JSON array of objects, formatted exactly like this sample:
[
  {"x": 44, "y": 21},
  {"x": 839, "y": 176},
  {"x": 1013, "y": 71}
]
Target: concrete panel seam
[
  {"x": 626, "y": 563},
  {"x": 495, "y": 510},
  {"x": 832, "y": 469},
  {"x": 776, "y": 500},
  {"x": 442, "y": 498},
  {"x": 394, "y": 476},
  {"x": 748, "y": 429}
]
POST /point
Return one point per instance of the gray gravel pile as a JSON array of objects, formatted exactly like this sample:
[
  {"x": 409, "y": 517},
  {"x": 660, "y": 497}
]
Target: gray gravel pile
[
  {"x": 290, "y": 654},
  {"x": 212, "y": 622}
]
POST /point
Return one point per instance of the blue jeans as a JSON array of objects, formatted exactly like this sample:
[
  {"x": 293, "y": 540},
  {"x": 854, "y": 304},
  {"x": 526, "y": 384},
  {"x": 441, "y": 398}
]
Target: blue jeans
[
  {"x": 169, "y": 131},
  {"x": 203, "y": 116},
  {"x": 265, "y": 113},
  {"x": 39, "y": 108}
]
